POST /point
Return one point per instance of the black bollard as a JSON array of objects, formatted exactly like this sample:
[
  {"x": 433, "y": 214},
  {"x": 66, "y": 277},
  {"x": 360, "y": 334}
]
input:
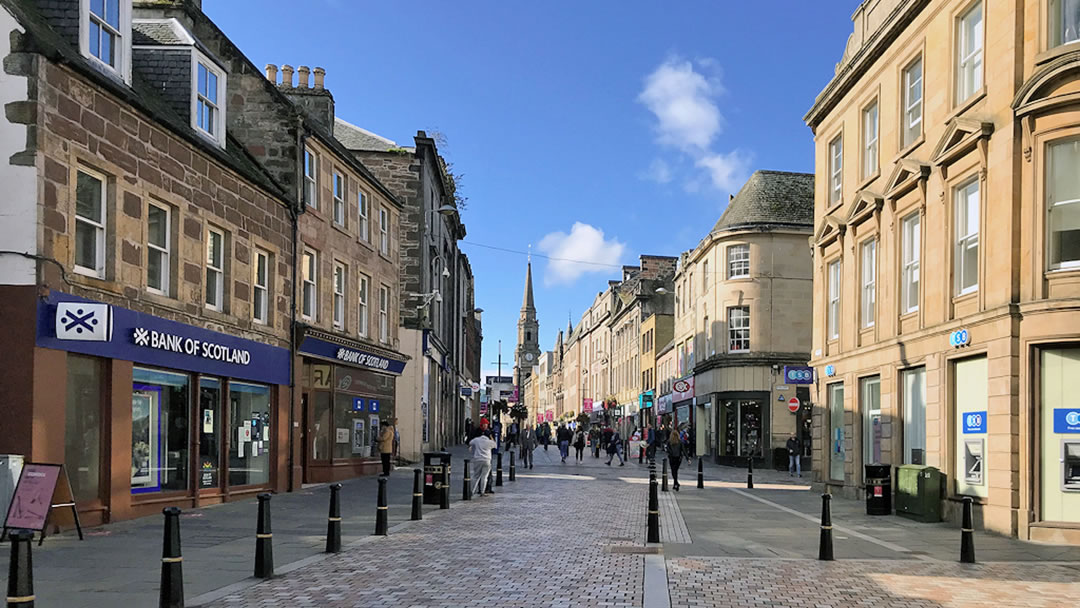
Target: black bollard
[
  {"x": 264, "y": 540},
  {"x": 700, "y": 473},
  {"x": 487, "y": 489},
  {"x": 466, "y": 489},
  {"x": 664, "y": 486},
  {"x": 333, "y": 521},
  {"x": 750, "y": 473},
  {"x": 498, "y": 470},
  {"x": 513, "y": 476},
  {"x": 825, "y": 552},
  {"x": 20, "y": 591},
  {"x": 417, "y": 497},
  {"x": 967, "y": 534},
  {"x": 381, "y": 527},
  {"x": 171, "y": 594},
  {"x": 654, "y": 514},
  {"x": 444, "y": 491},
  {"x": 641, "y": 454}
]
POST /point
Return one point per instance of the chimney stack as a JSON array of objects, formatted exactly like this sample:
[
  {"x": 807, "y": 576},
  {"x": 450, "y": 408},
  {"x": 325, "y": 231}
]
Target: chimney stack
[
  {"x": 303, "y": 74},
  {"x": 271, "y": 73},
  {"x": 320, "y": 75},
  {"x": 286, "y": 76}
]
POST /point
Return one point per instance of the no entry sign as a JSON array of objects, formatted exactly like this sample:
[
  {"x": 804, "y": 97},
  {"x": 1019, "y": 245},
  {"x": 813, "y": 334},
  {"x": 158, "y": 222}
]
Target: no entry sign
[{"x": 793, "y": 404}]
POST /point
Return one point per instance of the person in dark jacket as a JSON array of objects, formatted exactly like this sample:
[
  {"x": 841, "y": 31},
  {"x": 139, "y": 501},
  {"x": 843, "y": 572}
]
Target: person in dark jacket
[
  {"x": 614, "y": 448},
  {"x": 675, "y": 456},
  {"x": 794, "y": 450}
]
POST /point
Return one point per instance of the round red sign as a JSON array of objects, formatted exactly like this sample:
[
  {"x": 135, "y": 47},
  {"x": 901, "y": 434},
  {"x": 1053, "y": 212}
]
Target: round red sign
[
  {"x": 681, "y": 386},
  {"x": 793, "y": 404}
]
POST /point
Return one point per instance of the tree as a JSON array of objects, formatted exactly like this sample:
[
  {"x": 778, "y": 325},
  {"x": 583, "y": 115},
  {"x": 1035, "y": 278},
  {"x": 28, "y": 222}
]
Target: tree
[
  {"x": 519, "y": 412},
  {"x": 584, "y": 418}
]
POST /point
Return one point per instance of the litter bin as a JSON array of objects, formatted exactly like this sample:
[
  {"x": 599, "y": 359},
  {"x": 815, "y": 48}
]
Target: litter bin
[
  {"x": 878, "y": 489},
  {"x": 436, "y": 476}
]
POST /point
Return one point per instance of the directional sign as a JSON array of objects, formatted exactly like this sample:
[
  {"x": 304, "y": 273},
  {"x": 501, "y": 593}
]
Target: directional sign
[{"x": 793, "y": 404}]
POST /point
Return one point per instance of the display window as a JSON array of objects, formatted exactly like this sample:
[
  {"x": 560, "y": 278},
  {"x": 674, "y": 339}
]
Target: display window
[
  {"x": 250, "y": 428},
  {"x": 83, "y": 426},
  {"x": 210, "y": 395},
  {"x": 345, "y": 418},
  {"x": 159, "y": 431}
]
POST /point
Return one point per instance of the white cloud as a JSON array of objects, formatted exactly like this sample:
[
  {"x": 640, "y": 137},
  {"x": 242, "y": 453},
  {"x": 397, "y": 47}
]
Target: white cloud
[
  {"x": 682, "y": 101},
  {"x": 584, "y": 250},
  {"x": 727, "y": 171},
  {"x": 659, "y": 171}
]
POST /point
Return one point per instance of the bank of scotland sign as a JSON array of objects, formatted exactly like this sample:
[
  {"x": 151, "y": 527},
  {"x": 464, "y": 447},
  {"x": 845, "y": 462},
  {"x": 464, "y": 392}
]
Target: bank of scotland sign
[{"x": 83, "y": 321}]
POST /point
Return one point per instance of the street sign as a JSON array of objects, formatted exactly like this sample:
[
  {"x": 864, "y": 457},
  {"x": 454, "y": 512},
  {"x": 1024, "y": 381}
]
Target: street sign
[{"x": 793, "y": 405}]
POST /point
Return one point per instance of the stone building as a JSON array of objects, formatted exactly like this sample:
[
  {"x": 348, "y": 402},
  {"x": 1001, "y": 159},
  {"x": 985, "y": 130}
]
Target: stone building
[
  {"x": 743, "y": 300},
  {"x": 941, "y": 117},
  {"x": 594, "y": 341},
  {"x": 657, "y": 331}
]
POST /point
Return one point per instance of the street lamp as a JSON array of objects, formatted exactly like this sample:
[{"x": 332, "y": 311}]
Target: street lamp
[{"x": 662, "y": 291}]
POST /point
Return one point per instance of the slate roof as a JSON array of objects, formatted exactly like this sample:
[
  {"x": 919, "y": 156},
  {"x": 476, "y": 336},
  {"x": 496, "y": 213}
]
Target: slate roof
[
  {"x": 771, "y": 198},
  {"x": 357, "y": 138},
  {"x": 152, "y": 33}
]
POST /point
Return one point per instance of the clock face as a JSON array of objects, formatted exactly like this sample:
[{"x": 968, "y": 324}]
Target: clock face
[{"x": 528, "y": 356}]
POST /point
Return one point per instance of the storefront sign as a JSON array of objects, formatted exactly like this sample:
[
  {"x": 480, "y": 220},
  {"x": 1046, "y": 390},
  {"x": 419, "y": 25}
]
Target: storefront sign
[
  {"x": 798, "y": 374},
  {"x": 974, "y": 422},
  {"x": 683, "y": 390},
  {"x": 358, "y": 404},
  {"x": 373, "y": 406},
  {"x": 830, "y": 370},
  {"x": 550, "y": 416},
  {"x": 959, "y": 338},
  {"x": 466, "y": 391},
  {"x": 663, "y": 404},
  {"x": 1067, "y": 420},
  {"x": 586, "y": 405},
  {"x": 150, "y": 340},
  {"x": 353, "y": 356},
  {"x": 33, "y": 497}
]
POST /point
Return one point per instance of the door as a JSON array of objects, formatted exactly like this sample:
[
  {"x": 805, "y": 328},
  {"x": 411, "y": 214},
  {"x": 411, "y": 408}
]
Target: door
[
  {"x": 837, "y": 449},
  {"x": 1060, "y": 437}
]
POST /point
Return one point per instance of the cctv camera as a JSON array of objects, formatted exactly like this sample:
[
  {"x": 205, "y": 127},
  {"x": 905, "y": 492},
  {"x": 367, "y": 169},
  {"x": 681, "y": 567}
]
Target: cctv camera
[
  {"x": 446, "y": 273},
  {"x": 438, "y": 297}
]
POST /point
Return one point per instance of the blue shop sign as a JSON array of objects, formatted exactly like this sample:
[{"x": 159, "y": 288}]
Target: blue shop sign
[
  {"x": 959, "y": 338},
  {"x": 358, "y": 404},
  {"x": 974, "y": 422},
  {"x": 1067, "y": 420},
  {"x": 798, "y": 374},
  {"x": 354, "y": 356},
  {"x": 70, "y": 323},
  {"x": 373, "y": 406},
  {"x": 830, "y": 370}
]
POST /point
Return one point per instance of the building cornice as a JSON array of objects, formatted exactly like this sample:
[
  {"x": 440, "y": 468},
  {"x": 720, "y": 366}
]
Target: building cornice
[{"x": 750, "y": 360}]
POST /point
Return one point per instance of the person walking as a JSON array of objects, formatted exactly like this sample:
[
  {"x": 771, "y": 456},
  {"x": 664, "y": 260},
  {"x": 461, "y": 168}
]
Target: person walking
[
  {"x": 650, "y": 442},
  {"x": 528, "y": 444},
  {"x": 481, "y": 447},
  {"x": 579, "y": 444},
  {"x": 386, "y": 446},
  {"x": 614, "y": 448},
  {"x": 794, "y": 451},
  {"x": 563, "y": 436},
  {"x": 675, "y": 456}
]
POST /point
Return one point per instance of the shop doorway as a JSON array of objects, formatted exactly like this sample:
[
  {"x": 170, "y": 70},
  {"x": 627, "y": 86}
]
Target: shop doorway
[
  {"x": 1059, "y": 454},
  {"x": 743, "y": 427}
]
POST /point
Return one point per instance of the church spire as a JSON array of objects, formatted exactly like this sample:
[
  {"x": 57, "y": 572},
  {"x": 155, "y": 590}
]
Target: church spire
[{"x": 527, "y": 301}]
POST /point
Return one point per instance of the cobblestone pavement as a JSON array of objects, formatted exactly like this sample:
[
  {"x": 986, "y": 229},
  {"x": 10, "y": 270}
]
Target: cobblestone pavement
[{"x": 700, "y": 582}]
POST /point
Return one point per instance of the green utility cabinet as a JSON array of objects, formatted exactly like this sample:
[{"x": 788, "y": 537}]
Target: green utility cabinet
[{"x": 918, "y": 492}]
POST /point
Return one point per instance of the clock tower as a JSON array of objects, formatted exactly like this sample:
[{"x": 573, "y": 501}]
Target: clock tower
[{"x": 527, "y": 353}]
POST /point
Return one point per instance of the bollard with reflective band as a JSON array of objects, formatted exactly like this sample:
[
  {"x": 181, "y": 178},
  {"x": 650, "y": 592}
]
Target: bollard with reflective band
[
  {"x": 967, "y": 534},
  {"x": 20, "y": 591},
  {"x": 171, "y": 594},
  {"x": 417, "y": 497},
  {"x": 700, "y": 473},
  {"x": 381, "y": 514},
  {"x": 466, "y": 489},
  {"x": 664, "y": 486},
  {"x": 498, "y": 470},
  {"x": 654, "y": 514},
  {"x": 825, "y": 552},
  {"x": 750, "y": 473},
  {"x": 333, "y": 521},
  {"x": 513, "y": 476},
  {"x": 264, "y": 540}
]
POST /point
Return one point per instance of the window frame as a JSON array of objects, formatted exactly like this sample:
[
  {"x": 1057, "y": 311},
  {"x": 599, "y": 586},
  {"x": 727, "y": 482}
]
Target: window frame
[
  {"x": 219, "y": 284},
  {"x": 341, "y": 271},
  {"x": 165, "y": 266},
  {"x": 962, "y": 61},
  {"x": 836, "y": 170},
  {"x": 1055, "y": 25},
  {"x": 363, "y": 294},
  {"x": 742, "y": 261},
  {"x": 705, "y": 276},
  {"x": 363, "y": 204},
  {"x": 743, "y": 329},
  {"x": 123, "y": 70},
  {"x": 834, "y": 282},
  {"x": 963, "y": 244},
  {"x": 1050, "y": 204},
  {"x": 384, "y": 314},
  {"x": 217, "y": 108},
  {"x": 908, "y": 134},
  {"x": 311, "y": 178},
  {"x": 260, "y": 315},
  {"x": 384, "y": 231},
  {"x": 309, "y": 275},
  {"x": 100, "y": 226},
  {"x": 910, "y": 262},
  {"x": 341, "y": 188},
  {"x": 868, "y": 282},
  {"x": 869, "y": 169}
]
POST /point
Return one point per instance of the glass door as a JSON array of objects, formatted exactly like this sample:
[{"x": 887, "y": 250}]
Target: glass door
[
  {"x": 210, "y": 438},
  {"x": 871, "y": 407},
  {"x": 837, "y": 449},
  {"x": 751, "y": 440}
]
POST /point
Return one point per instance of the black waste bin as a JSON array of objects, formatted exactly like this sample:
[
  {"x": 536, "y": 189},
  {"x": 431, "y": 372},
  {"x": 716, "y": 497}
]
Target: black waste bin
[
  {"x": 436, "y": 476},
  {"x": 878, "y": 489}
]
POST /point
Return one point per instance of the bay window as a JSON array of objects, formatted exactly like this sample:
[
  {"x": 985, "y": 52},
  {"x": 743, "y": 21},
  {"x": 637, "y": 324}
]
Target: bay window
[{"x": 1064, "y": 22}]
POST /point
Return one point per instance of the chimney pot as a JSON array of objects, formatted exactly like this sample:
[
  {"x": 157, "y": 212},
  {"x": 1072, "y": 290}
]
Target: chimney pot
[
  {"x": 271, "y": 73},
  {"x": 730, "y": 197},
  {"x": 320, "y": 75},
  {"x": 286, "y": 76},
  {"x": 303, "y": 74}
]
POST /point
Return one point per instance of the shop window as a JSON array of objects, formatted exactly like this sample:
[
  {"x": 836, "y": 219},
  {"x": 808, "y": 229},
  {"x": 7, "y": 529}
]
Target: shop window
[
  {"x": 872, "y": 431},
  {"x": 82, "y": 422},
  {"x": 913, "y": 95},
  {"x": 966, "y": 264},
  {"x": 158, "y": 248},
  {"x": 1064, "y": 22},
  {"x": 159, "y": 431},
  {"x": 249, "y": 414},
  {"x": 1063, "y": 204},
  {"x": 210, "y": 439},
  {"x": 914, "y": 415},
  {"x": 322, "y": 426},
  {"x": 969, "y": 53},
  {"x": 260, "y": 290},
  {"x": 742, "y": 426},
  {"x": 1070, "y": 462},
  {"x": 90, "y": 221},
  {"x": 973, "y": 462},
  {"x": 215, "y": 269}
]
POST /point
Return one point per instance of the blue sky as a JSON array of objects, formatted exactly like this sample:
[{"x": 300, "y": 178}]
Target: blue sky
[{"x": 592, "y": 131}]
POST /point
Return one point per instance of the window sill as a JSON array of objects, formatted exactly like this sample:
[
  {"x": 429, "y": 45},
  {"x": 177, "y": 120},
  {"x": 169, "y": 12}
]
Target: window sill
[
  {"x": 741, "y": 279},
  {"x": 960, "y": 298},
  {"x": 868, "y": 180},
  {"x": 1053, "y": 53},
  {"x": 386, "y": 256},
  {"x": 904, "y": 152},
  {"x": 909, "y": 314},
  {"x": 967, "y": 104},
  {"x": 340, "y": 228},
  {"x": 366, "y": 243},
  {"x": 1065, "y": 271},
  {"x": 86, "y": 272},
  {"x": 834, "y": 207}
]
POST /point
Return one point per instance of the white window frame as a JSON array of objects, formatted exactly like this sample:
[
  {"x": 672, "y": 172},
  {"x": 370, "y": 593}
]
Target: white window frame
[
  {"x": 311, "y": 178},
  {"x": 340, "y": 191},
  {"x": 123, "y": 54},
  {"x": 967, "y": 242},
  {"x": 217, "y": 135},
  {"x": 384, "y": 231},
  {"x": 384, "y": 314},
  {"x": 363, "y": 203},
  {"x": 99, "y": 227},
  {"x": 309, "y": 284},
  {"x": 910, "y": 258},
  {"x": 832, "y": 320},
  {"x": 969, "y": 64},
  {"x": 738, "y": 257},
  {"x": 1052, "y": 205},
  {"x": 260, "y": 313},
  {"x": 1057, "y": 25},
  {"x": 836, "y": 170},
  {"x": 738, "y": 329},
  {"x": 913, "y": 105},
  {"x": 870, "y": 139},
  {"x": 338, "y": 283},
  {"x": 362, "y": 295},
  {"x": 218, "y": 283},
  {"x": 868, "y": 260},
  {"x": 164, "y": 250},
  {"x": 705, "y": 276}
]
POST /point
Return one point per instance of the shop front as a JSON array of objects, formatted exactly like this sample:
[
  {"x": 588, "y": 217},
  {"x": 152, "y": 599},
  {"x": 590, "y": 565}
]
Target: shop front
[
  {"x": 348, "y": 394},
  {"x": 146, "y": 412},
  {"x": 681, "y": 412},
  {"x": 1058, "y": 428}
]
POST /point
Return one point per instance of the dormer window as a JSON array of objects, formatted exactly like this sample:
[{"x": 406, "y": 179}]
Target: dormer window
[
  {"x": 207, "y": 115},
  {"x": 105, "y": 34}
]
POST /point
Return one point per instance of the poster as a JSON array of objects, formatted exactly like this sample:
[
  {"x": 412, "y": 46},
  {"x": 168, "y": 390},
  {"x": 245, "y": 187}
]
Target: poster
[
  {"x": 358, "y": 436},
  {"x": 343, "y": 435},
  {"x": 208, "y": 474},
  {"x": 33, "y": 496},
  {"x": 374, "y": 424},
  {"x": 144, "y": 438},
  {"x": 208, "y": 421}
]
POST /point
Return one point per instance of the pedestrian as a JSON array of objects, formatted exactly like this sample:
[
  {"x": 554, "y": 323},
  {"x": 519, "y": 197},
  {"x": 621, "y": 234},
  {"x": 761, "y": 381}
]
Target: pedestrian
[
  {"x": 528, "y": 444},
  {"x": 545, "y": 433},
  {"x": 794, "y": 451},
  {"x": 481, "y": 447},
  {"x": 579, "y": 444},
  {"x": 386, "y": 446},
  {"x": 614, "y": 448},
  {"x": 691, "y": 442},
  {"x": 563, "y": 436},
  {"x": 594, "y": 442},
  {"x": 468, "y": 429},
  {"x": 650, "y": 442},
  {"x": 675, "y": 454}
]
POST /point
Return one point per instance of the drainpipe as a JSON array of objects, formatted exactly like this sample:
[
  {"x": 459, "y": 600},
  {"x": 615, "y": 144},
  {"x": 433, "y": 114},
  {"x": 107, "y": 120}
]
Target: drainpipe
[{"x": 295, "y": 211}]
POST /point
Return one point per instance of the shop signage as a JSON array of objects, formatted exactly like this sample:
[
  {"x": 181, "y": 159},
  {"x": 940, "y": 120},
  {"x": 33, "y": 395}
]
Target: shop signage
[
  {"x": 358, "y": 404},
  {"x": 683, "y": 390},
  {"x": 798, "y": 374},
  {"x": 645, "y": 400},
  {"x": 466, "y": 391},
  {"x": 974, "y": 422},
  {"x": 353, "y": 356},
  {"x": 959, "y": 338},
  {"x": 373, "y": 406},
  {"x": 793, "y": 405},
  {"x": 830, "y": 370},
  {"x": 1067, "y": 420},
  {"x": 682, "y": 415},
  {"x": 147, "y": 339},
  {"x": 475, "y": 386},
  {"x": 550, "y": 415},
  {"x": 663, "y": 404},
  {"x": 586, "y": 405}
]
